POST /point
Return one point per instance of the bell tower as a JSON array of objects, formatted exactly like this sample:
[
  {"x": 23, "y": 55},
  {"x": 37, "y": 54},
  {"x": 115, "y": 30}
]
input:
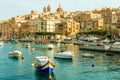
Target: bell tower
[
  {"x": 49, "y": 8},
  {"x": 44, "y": 9}
]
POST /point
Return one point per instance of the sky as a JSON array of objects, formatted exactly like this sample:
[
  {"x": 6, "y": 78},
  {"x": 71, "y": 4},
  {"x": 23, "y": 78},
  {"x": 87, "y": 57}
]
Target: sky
[{"x": 12, "y": 8}]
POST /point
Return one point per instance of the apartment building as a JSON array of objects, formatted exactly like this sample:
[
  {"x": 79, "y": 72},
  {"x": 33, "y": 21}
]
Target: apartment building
[
  {"x": 66, "y": 23},
  {"x": 90, "y": 21}
]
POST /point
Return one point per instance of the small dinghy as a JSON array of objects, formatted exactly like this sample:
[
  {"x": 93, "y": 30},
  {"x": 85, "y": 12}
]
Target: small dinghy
[{"x": 88, "y": 55}]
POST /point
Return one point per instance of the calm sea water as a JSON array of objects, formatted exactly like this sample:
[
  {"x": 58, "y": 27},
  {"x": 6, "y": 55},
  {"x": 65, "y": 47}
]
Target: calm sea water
[{"x": 79, "y": 68}]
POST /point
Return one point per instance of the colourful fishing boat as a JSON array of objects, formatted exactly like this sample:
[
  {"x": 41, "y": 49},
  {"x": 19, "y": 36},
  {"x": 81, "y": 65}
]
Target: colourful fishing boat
[{"x": 43, "y": 65}]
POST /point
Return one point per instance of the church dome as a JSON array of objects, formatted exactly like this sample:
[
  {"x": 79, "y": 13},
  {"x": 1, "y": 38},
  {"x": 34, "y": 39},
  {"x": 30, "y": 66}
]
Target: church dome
[{"x": 59, "y": 9}]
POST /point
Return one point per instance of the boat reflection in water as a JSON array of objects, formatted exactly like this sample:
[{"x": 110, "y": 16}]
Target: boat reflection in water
[
  {"x": 14, "y": 59},
  {"x": 44, "y": 76}
]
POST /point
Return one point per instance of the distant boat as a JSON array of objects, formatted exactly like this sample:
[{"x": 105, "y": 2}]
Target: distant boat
[
  {"x": 32, "y": 49},
  {"x": 64, "y": 54},
  {"x": 119, "y": 60},
  {"x": 28, "y": 45},
  {"x": 116, "y": 45},
  {"x": 14, "y": 41},
  {"x": 43, "y": 65},
  {"x": 1, "y": 43},
  {"x": 15, "y": 54},
  {"x": 88, "y": 55},
  {"x": 109, "y": 53},
  {"x": 106, "y": 47},
  {"x": 50, "y": 46}
]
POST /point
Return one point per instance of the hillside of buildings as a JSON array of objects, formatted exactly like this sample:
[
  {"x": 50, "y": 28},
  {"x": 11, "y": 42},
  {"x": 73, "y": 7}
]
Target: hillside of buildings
[{"x": 68, "y": 24}]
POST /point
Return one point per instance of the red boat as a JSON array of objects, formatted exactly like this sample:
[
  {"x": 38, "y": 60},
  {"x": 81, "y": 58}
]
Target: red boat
[{"x": 109, "y": 53}]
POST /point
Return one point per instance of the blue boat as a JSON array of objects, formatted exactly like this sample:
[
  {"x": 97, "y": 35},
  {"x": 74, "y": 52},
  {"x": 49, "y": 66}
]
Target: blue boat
[{"x": 43, "y": 65}]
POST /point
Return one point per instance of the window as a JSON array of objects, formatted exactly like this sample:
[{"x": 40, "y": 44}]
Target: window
[{"x": 41, "y": 23}]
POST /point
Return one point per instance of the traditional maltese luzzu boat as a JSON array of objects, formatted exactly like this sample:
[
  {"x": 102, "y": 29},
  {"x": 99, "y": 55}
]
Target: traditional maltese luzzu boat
[{"x": 43, "y": 65}]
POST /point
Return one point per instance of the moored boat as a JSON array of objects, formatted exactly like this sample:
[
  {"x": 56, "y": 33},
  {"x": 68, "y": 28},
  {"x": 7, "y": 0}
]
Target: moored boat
[
  {"x": 88, "y": 55},
  {"x": 15, "y": 54},
  {"x": 43, "y": 65},
  {"x": 32, "y": 49},
  {"x": 64, "y": 54},
  {"x": 119, "y": 60},
  {"x": 1, "y": 43},
  {"x": 50, "y": 46},
  {"x": 109, "y": 53},
  {"x": 27, "y": 45}
]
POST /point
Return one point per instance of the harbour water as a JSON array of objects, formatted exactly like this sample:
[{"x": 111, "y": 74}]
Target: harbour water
[{"x": 101, "y": 67}]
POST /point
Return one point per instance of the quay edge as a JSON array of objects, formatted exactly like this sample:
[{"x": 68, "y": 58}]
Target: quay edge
[{"x": 99, "y": 48}]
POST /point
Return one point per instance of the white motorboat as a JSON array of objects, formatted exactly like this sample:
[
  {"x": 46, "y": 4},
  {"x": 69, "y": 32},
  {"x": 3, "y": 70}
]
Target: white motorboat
[
  {"x": 15, "y": 54},
  {"x": 64, "y": 54},
  {"x": 116, "y": 45}
]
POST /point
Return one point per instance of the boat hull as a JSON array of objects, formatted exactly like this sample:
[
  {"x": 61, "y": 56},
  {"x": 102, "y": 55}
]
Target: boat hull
[
  {"x": 110, "y": 53},
  {"x": 44, "y": 65},
  {"x": 88, "y": 55},
  {"x": 14, "y": 56},
  {"x": 45, "y": 70},
  {"x": 63, "y": 55}
]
